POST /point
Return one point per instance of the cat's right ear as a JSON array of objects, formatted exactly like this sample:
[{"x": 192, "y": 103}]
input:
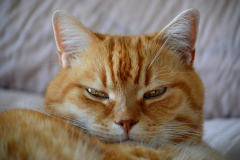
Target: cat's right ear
[{"x": 71, "y": 36}]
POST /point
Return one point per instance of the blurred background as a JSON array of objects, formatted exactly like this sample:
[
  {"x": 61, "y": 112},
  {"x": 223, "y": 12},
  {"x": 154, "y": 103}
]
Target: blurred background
[{"x": 29, "y": 59}]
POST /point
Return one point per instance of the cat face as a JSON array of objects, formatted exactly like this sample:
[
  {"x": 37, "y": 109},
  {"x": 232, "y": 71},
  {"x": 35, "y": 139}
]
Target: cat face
[{"x": 129, "y": 89}]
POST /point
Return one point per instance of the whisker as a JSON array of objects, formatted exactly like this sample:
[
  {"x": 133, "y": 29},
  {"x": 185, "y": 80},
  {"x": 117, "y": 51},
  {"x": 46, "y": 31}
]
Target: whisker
[
  {"x": 160, "y": 50},
  {"x": 172, "y": 73}
]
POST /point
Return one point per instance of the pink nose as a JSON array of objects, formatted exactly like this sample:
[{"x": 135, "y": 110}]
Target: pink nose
[{"x": 127, "y": 124}]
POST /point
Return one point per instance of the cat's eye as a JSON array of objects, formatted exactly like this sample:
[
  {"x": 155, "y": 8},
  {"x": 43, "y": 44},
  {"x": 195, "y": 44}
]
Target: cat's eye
[
  {"x": 97, "y": 93},
  {"x": 155, "y": 93}
]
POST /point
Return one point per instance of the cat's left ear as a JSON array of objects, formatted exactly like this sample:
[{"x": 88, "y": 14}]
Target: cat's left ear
[
  {"x": 181, "y": 34},
  {"x": 71, "y": 36}
]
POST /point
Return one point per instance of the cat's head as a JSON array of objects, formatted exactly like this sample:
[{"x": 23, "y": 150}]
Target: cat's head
[{"x": 133, "y": 89}]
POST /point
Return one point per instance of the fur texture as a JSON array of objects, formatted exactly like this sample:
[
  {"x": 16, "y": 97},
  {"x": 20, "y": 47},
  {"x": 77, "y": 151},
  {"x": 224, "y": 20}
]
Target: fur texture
[{"x": 130, "y": 97}]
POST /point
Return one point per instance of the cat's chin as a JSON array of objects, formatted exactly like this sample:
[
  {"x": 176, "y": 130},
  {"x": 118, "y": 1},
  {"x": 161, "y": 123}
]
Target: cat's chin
[{"x": 130, "y": 142}]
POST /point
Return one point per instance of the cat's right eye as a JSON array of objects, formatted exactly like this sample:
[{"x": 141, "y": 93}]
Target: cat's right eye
[{"x": 97, "y": 93}]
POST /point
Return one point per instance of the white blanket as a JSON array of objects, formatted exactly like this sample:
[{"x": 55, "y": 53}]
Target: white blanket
[{"x": 222, "y": 134}]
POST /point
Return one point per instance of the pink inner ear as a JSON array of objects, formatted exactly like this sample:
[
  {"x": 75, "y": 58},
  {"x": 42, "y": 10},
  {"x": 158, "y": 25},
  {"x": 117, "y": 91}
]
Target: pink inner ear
[
  {"x": 70, "y": 35},
  {"x": 58, "y": 40},
  {"x": 194, "y": 31}
]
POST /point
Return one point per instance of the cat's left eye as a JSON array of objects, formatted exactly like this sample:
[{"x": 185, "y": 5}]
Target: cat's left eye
[
  {"x": 155, "y": 93},
  {"x": 96, "y": 93}
]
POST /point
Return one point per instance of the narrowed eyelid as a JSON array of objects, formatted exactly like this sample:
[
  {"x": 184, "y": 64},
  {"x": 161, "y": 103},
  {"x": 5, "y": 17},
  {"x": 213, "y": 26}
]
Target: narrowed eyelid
[
  {"x": 90, "y": 91},
  {"x": 148, "y": 94}
]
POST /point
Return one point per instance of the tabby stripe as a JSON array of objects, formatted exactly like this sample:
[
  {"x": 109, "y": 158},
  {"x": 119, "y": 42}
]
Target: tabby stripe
[
  {"x": 147, "y": 77},
  {"x": 187, "y": 122},
  {"x": 186, "y": 89},
  {"x": 140, "y": 61},
  {"x": 127, "y": 58},
  {"x": 63, "y": 95},
  {"x": 104, "y": 78},
  {"x": 69, "y": 88},
  {"x": 111, "y": 46},
  {"x": 125, "y": 65}
]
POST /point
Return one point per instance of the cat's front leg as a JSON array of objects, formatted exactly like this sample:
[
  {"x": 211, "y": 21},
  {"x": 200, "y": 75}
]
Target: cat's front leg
[
  {"x": 133, "y": 153},
  {"x": 190, "y": 152}
]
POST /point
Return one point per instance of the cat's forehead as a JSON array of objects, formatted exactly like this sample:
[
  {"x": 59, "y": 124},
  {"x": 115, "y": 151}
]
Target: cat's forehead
[
  {"x": 123, "y": 62},
  {"x": 124, "y": 58}
]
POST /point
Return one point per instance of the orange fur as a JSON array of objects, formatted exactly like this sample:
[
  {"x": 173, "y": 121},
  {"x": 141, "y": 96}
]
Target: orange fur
[
  {"x": 121, "y": 63},
  {"x": 126, "y": 124}
]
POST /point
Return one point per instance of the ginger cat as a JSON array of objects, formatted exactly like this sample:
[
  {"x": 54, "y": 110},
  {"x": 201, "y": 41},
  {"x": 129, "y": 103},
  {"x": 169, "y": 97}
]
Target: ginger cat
[{"x": 116, "y": 97}]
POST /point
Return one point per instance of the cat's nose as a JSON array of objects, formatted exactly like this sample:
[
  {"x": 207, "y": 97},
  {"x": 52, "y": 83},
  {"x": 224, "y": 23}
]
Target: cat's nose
[{"x": 127, "y": 124}]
